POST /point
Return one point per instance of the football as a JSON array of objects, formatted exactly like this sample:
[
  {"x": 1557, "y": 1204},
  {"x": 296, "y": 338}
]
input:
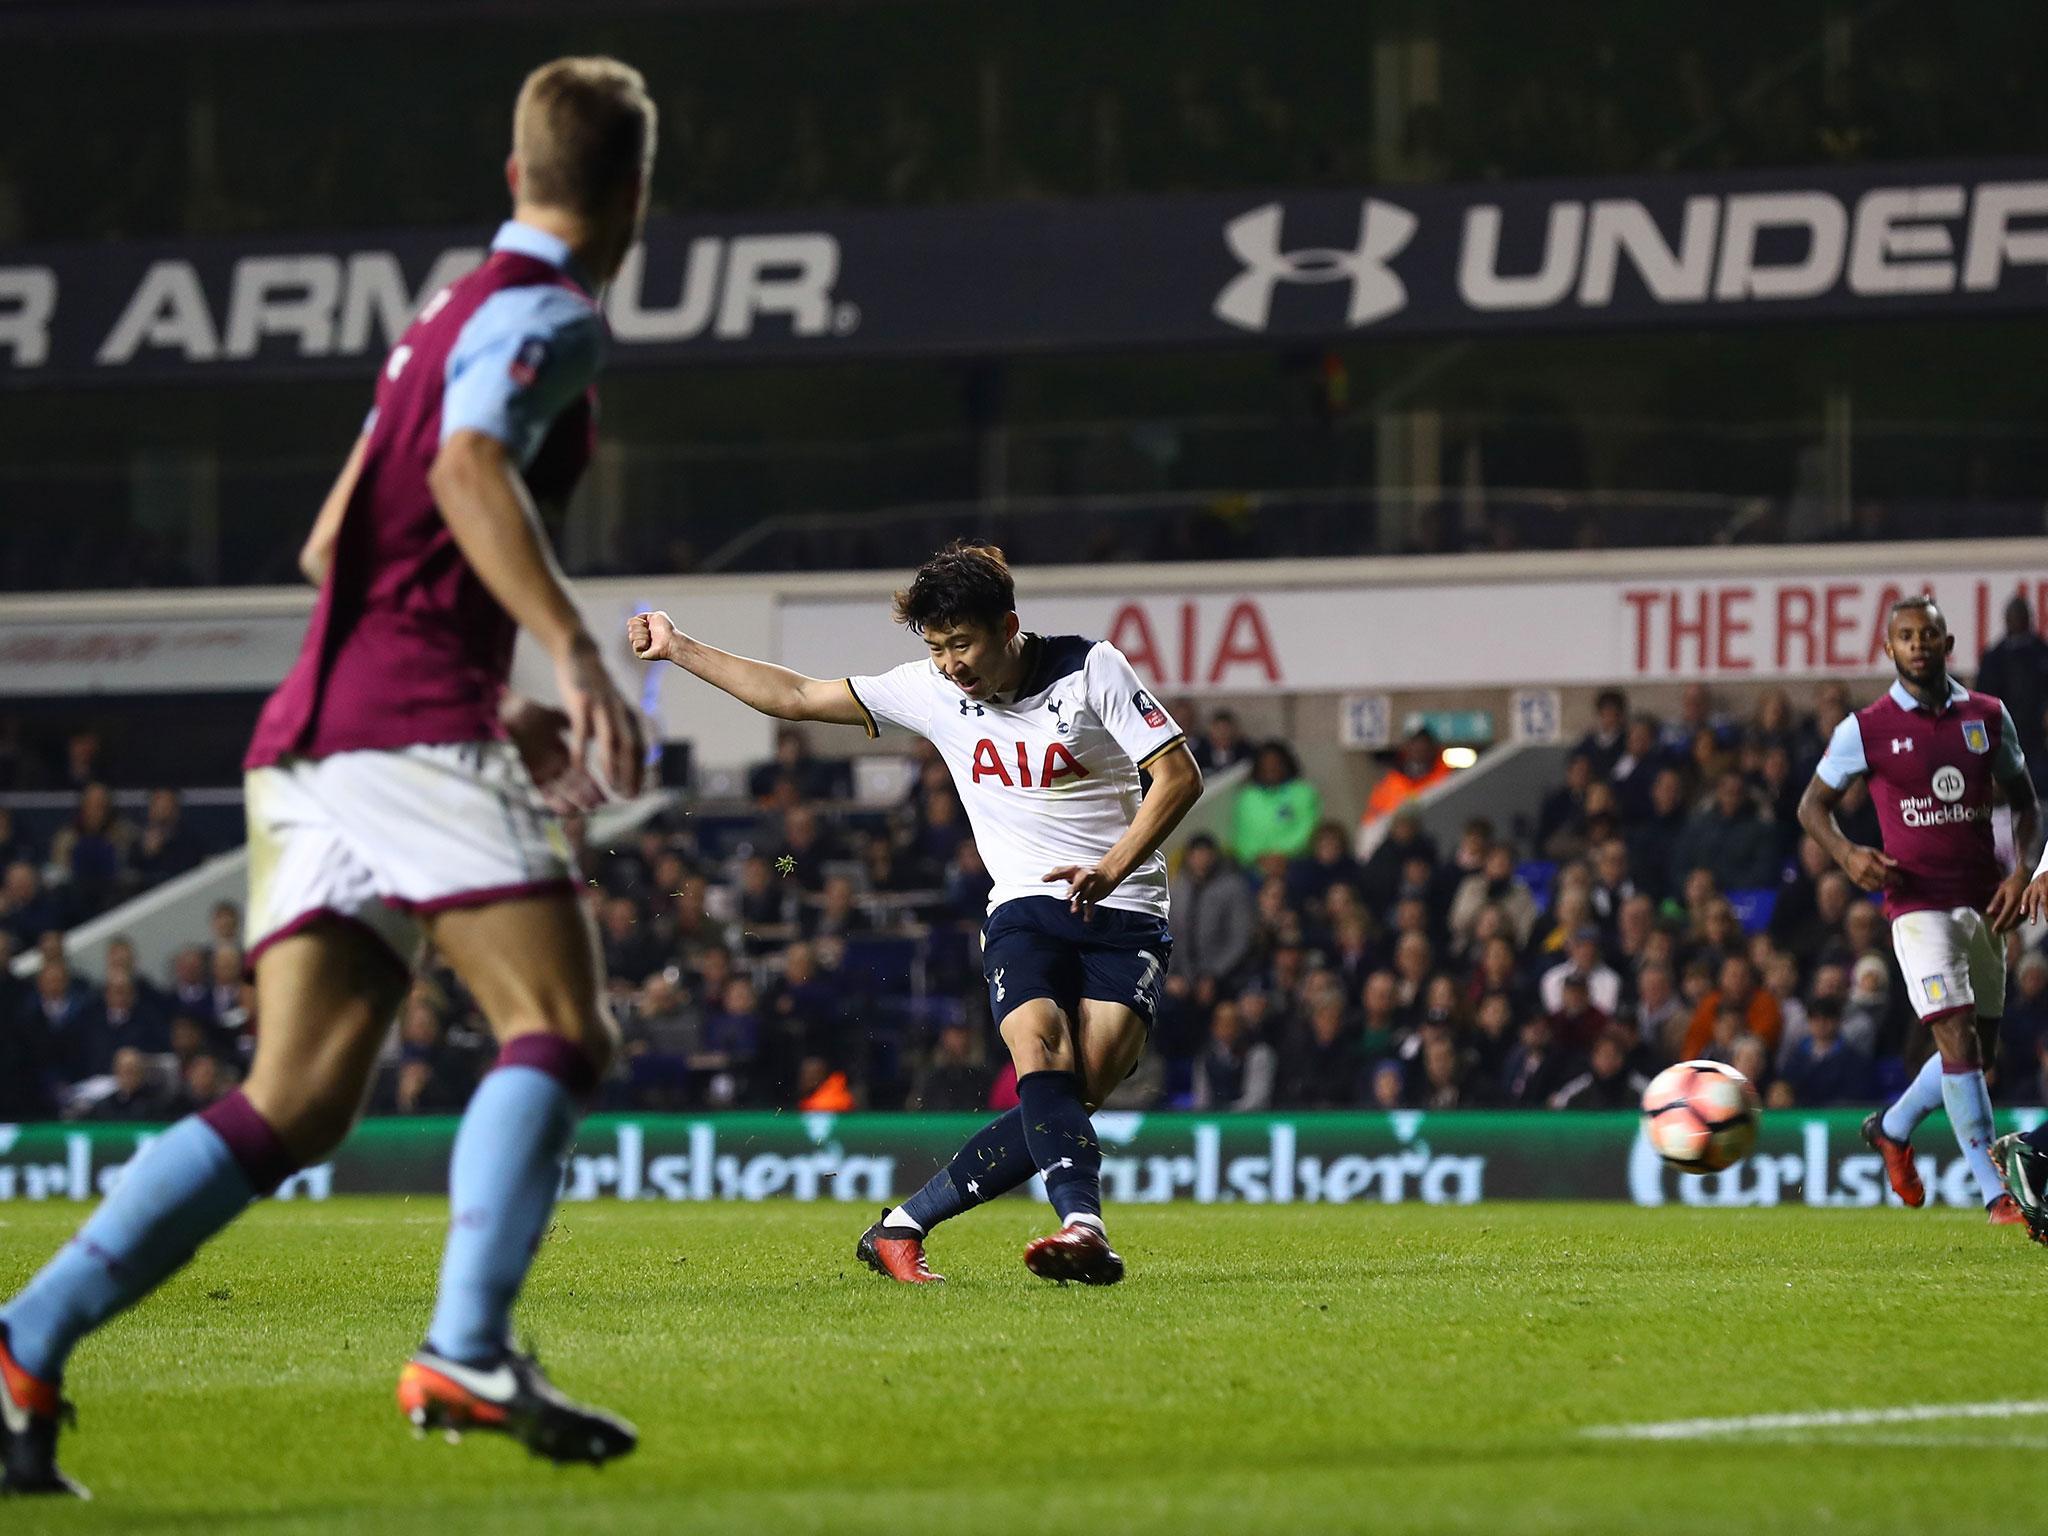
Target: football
[{"x": 1701, "y": 1116}]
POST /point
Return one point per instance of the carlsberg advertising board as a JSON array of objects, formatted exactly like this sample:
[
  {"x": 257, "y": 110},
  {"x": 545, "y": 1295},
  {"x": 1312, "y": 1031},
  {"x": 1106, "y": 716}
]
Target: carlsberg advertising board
[{"x": 1454, "y": 1158}]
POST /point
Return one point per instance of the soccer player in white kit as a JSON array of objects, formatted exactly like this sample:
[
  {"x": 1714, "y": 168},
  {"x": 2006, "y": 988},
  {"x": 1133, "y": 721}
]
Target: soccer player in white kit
[{"x": 1045, "y": 738}]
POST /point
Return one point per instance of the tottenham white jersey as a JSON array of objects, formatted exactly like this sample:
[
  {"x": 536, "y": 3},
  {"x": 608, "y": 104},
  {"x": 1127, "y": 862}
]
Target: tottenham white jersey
[{"x": 1049, "y": 777}]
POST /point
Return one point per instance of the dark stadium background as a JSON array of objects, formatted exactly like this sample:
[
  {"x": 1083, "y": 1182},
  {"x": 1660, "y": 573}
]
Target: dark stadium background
[{"x": 1656, "y": 448}]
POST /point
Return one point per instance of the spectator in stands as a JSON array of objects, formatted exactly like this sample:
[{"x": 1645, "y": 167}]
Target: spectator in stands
[
  {"x": 631, "y": 947},
  {"x": 1233, "y": 1073},
  {"x": 1821, "y": 1068},
  {"x": 1577, "y": 1021},
  {"x": 1866, "y": 1012},
  {"x": 1278, "y": 810},
  {"x": 13, "y": 849},
  {"x": 1445, "y": 1080},
  {"x": 1608, "y": 1081},
  {"x": 949, "y": 1077},
  {"x": 1493, "y": 1036},
  {"x": 1563, "y": 810},
  {"x": 207, "y": 1079},
  {"x": 25, "y": 1078},
  {"x": 1320, "y": 1068},
  {"x": 941, "y": 832},
  {"x": 837, "y": 913},
  {"x": 1659, "y": 1014},
  {"x": 686, "y": 926},
  {"x": 2026, "y": 1017},
  {"x": 164, "y": 847},
  {"x": 1696, "y": 717},
  {"x": 1221, "y": 745},
  {"x": 426, "y": 1081},
  {"x": 136, "y": 1094},
  {"x": 1727, "y": 837},
  {"x": 1496, "y": 886},
  {"x": 1329, "y": 864},
  {"x": 191, "y": 986},
  {"x": 1583, "y": 961},
  {"x": 809, "y": 845},
  {"x": 1635, "y": 771},
  {"x": 811, "y": 778},
  {"x": 1605, "y": 745},
  {"x": 768, "y": 908},
  {"x": 1613, "y": 884},
  {"x": 62, "y": 1016},
  {"x": 1635, "y": 930},
  {"x": 2015, "y": 671},
  {"x": 1653, "y": 842},
  {"x": 660, "y": 1034},
  {"x": 1418, "y": 766},
  {"x": 224, "y": 974},
  {"x": 129, "y": 1020},
  {"x": 1215, "y": 919},
  {"x": 1736, "y": 993},
  {"x": 225, "y": 923},
  {"x": 1771, "y": 724},
  {"x": 733, "y": 1033},
  {"x": 26, "y": 911},
  {"x": 1536, "y": 1068},
  {"x": 1381, "y": 874}
]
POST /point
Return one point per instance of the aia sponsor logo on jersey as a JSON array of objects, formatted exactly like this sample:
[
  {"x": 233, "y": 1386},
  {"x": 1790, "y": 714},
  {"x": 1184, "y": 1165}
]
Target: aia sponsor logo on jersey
[
  {"x": 528, "y": 361},
  {"x": 1147, "y": 710},
  {"x": 1057, "y": 764}
]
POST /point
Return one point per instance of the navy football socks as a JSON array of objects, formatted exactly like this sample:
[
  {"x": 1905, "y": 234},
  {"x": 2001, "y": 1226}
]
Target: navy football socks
[
  {"x": 1063, "y": 1145},
  {"x": 993, "y": 1161}
]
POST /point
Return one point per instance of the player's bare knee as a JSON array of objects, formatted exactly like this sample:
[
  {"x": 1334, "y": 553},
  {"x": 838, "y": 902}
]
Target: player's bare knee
[
  {"x": 1956, "y": 1039},
  {"x": 1039, "y": 1039}
]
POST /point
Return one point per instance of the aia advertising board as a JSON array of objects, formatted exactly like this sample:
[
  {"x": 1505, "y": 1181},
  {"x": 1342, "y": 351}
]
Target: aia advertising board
[{"x": 1471, "y": 634}]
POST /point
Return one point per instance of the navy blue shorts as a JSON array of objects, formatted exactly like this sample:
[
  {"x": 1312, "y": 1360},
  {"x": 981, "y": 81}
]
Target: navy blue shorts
[{"x": 1036, "y": 947}]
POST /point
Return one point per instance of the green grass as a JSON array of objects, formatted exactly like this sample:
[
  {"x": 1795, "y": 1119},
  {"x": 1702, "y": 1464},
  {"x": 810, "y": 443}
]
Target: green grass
[{"x": 1267, "y": 1370}]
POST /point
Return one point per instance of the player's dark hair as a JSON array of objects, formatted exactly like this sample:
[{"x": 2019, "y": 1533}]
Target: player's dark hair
[
  {"x": 964, "y": 583},
  {"x": 1918, "y": 600},
  {"x": 583, "y": 132}
]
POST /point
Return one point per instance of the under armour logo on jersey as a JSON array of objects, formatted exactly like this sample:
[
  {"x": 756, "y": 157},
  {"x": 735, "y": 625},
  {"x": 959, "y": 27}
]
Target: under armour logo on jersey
[
  {"x": 1902, "y": 743},
  {"x": 998, "y": 980},
  {"x": 967, "y": 704}
]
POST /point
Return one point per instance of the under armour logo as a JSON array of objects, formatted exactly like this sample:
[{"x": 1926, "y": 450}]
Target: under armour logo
[
  {"x": 1902, "y": 743},
  {"x": 1065, "y": 1162},
  {"x": 974, "y": 1186},
  {"x": 998, "y": 979},
  {"x": 967, "y": 704},
  {"x": 1384, "y": 230}
]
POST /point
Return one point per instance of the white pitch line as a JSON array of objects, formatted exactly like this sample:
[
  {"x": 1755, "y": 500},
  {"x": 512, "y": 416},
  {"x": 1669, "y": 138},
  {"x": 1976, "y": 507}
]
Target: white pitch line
[{"x": 1838, "y": 1418}]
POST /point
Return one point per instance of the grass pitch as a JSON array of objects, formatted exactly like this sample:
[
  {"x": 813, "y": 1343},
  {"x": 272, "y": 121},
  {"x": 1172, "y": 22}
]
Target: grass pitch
[{"x": 1284, "y": 1369}]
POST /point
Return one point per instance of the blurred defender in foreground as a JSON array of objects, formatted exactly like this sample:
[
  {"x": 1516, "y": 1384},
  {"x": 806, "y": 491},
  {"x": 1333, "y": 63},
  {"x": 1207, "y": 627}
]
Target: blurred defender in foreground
[{"x": 397, "y": 792}]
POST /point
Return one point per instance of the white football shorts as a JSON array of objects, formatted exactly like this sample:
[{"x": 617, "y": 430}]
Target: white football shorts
[
  {"x": 379, "y": 839},
  {"x": 1951, "y": 960}
]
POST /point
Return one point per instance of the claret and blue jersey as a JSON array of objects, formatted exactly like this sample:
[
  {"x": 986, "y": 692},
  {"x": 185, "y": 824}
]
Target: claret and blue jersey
[{"x": 1932, "y": 774}]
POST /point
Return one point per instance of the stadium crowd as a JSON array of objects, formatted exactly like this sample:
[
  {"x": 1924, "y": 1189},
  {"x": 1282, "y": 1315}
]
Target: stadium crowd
[{"x": 806, "y": 951}]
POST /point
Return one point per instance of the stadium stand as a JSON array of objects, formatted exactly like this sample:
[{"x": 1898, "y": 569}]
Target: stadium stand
[{"x": 795, "y": 948}]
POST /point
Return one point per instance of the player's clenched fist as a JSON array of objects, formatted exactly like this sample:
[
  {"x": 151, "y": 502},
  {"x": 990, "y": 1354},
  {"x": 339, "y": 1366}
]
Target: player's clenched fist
[{"x": 651, "y": 635}]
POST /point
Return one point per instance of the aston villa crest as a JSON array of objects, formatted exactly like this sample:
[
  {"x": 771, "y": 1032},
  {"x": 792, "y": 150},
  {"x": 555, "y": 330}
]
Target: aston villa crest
[{"x": 1975, "y": 737}]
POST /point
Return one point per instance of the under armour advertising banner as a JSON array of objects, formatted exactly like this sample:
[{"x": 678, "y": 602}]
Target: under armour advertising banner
[{"x": 986, "y": 278}]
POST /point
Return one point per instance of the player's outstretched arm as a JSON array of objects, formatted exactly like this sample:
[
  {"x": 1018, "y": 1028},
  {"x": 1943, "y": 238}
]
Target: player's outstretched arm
[
  {"x": 485, "y": 503},
  {"x": 316, "y": 557},
  {"x": 761, "y": 685}
]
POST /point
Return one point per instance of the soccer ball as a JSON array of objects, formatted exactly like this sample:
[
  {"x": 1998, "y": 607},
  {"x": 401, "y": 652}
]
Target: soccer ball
[{"x": 1701, "y": 1116}]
